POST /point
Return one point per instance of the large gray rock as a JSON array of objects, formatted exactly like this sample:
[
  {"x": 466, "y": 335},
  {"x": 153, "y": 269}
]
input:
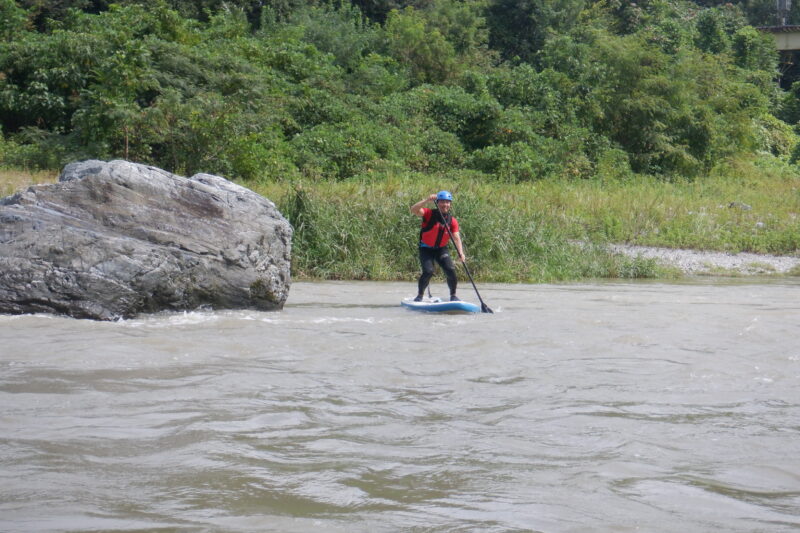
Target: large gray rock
[{"x": 113, "y": 239}]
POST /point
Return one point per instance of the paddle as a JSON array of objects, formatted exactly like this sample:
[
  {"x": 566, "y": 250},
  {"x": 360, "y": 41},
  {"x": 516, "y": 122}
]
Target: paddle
[{"x": 484, "y": 308}]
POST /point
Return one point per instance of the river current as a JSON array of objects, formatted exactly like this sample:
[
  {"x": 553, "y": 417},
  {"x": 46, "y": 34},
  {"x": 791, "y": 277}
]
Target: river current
[{"x": 592, "y": 407}]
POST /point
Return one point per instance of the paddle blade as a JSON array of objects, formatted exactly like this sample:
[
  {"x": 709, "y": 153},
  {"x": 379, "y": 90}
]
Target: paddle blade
[{"x": 485, "y": 308}]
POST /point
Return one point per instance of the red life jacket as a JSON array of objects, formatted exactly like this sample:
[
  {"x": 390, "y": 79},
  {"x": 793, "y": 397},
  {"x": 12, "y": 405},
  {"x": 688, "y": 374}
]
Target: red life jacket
[{"x": 433, "y": 232}]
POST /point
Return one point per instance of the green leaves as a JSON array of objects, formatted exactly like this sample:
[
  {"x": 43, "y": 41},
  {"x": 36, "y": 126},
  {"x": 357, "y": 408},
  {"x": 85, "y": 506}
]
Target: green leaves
[
  {"x": 13, "y": 20},
  {"x": 425, "y": 51},
  {"x": 662, "y": 88}
]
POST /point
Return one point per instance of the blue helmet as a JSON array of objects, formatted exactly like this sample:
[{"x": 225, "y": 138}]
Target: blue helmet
[{"x": 444, "y": 195}]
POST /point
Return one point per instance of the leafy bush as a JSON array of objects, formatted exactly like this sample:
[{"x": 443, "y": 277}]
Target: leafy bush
[
  {"x": 338, "y": 151},
  {"x": 377, "y": 76},
  {"x": 470, "y": 117},
  {"x": 517, "y": 161},
  {"x": 613, "y": 164},
  {"x": 429, "y": 57},
  {"x": 12, "y": 20},
  {"x": 754, "y": 50},
  {"x": 340, "y": 31}
]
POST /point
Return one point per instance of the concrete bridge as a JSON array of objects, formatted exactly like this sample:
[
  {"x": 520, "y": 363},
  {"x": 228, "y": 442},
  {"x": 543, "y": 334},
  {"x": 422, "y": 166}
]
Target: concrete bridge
[{"x": 787, "y": 38}]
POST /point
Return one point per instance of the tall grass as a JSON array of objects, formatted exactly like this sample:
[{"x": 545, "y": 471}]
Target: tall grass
[
  {"x": 12, "y": 180},
  {"x": 545, "y": 230},
  {"x": 529, "y": 232},
  {"x": 747, "y": 206},
  {"x": 363, "y": 230}
]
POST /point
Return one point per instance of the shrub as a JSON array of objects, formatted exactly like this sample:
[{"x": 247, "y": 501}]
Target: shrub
[
  {"x": 341, "y": 151},
  {"x": 471, "y": 117},
  {"x": 436, "y": 151},
  {"x": 428, "y": 55},
  {"x": 377, "y": 76},
  {"x": 613, "y": 164},
  {"x": 517, "y": 161}
]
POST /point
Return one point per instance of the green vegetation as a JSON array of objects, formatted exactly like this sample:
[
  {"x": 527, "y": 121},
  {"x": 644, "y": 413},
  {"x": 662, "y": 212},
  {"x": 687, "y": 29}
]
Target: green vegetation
[
  {"x": 501, "y": 246},
  {"x": 538, "y": 231},
  {"x": 557, "y": 124},
  {"x": 515, "y": 91},
  {"x": 528, "y": 232}
]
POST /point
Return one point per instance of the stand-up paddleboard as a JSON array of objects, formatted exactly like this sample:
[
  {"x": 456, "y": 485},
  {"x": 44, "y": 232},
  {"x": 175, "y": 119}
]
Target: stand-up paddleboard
[{"x": 436, "y": 305}]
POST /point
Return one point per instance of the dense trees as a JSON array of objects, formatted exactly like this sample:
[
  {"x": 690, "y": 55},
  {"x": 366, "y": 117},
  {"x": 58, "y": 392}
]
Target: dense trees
[{"x": 514, "y": 90}]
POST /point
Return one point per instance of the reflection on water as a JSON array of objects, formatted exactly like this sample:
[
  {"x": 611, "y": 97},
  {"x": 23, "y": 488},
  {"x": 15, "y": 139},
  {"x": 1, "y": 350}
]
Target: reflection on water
[{"x": 605, "y": 407}]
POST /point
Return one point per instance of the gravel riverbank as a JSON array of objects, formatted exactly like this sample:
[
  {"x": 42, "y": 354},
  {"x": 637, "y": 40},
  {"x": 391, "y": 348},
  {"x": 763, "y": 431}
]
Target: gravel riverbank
[{"x": 696, "y": 262}]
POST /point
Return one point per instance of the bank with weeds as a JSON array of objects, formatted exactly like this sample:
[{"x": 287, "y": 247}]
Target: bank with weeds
[{"x": 543, "y": 231}]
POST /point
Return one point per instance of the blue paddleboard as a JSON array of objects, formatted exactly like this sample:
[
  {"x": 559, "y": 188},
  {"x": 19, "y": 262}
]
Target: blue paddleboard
[{"x": 438, "y": 306}]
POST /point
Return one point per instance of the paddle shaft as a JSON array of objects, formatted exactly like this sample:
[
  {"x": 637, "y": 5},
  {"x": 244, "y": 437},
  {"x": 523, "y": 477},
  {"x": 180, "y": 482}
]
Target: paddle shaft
[{"x": 484, "y": 308}]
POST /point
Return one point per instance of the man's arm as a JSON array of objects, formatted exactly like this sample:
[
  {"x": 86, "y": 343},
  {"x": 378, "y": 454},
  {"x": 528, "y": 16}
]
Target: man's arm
[
  {"x": 416, "y": 209},
  {"x": 459, "y": 246}
]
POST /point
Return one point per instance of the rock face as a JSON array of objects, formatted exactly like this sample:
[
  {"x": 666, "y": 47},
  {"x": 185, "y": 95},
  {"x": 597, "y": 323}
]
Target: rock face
[{"x": 114, "y": 239}]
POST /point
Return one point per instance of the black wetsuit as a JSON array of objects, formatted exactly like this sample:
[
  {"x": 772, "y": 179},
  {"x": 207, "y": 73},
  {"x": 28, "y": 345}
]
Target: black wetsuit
[{"x": 442, "y": 256}]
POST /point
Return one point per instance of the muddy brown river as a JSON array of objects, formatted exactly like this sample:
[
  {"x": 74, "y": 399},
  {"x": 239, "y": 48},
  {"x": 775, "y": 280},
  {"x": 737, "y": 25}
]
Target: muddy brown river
[{"x": 593, "y": 407}]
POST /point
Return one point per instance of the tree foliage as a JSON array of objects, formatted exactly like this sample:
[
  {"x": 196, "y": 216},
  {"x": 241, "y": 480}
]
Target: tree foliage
[{"x": 515, "y": 90}]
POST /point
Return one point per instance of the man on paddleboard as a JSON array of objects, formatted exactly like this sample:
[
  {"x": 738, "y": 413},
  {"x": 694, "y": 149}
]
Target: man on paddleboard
[{"x": 433, "y": 239}]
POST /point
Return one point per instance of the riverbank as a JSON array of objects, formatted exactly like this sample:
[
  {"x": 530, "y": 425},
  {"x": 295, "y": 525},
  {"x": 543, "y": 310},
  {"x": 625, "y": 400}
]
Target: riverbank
[
  {"x": 549, "y": 231},
  {"x": 699, "y": 262},
  {"x": 544, "y": 231}
]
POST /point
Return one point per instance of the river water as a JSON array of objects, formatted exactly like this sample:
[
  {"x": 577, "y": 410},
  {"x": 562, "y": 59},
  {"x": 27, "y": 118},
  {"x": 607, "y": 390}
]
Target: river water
[{"x": 592, "y": 407}]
